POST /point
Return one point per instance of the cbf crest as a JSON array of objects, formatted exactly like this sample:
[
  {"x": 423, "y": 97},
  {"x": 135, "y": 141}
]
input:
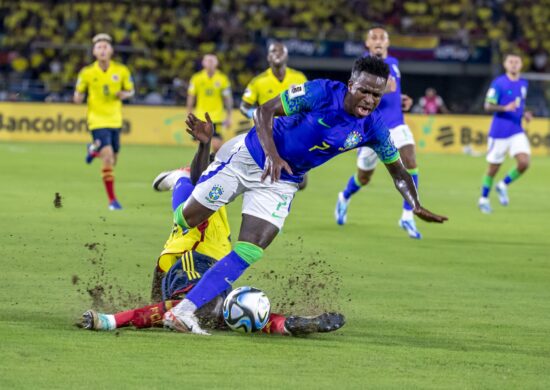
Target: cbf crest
[
  {"x": 353, "y": 139},
  {"x": 215, "y": 193}
]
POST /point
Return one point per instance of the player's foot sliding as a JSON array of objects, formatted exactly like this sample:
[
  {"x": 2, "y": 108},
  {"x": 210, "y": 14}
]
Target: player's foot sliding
[
  {"x": 185, "y": 322},
  {"x": 93, "y": 320},
  {"x": 326, "y": 322},
  {"x": 114, "y": 205}
]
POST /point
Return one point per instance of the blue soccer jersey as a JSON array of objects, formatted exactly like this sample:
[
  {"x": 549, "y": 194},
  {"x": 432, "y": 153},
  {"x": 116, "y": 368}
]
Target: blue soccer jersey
[
  {"x": 390, "y": 105},
  {"x": 317, "y": 128},
  {"x": 504, "y": 91}
]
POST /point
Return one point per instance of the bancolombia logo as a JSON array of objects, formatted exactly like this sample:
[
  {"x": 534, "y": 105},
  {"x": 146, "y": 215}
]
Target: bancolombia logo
[{"x": 49, "y": 124}]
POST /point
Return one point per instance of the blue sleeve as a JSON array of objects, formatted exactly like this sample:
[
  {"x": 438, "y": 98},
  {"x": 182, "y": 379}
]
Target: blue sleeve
[
  {"x": 493, "y": 94},
  {"x": 382, "y": 144},
  {"x": 304, "y": 97}
]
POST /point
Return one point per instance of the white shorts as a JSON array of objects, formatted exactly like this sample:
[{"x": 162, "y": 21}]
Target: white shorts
[
  {"x": 497, "y": 147},
  {"x": 367, "y": 158},
  {"x": 239, "y": 174}
]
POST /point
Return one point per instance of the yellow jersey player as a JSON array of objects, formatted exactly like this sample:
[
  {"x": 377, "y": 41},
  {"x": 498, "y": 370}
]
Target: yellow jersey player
[
  {"x": 107, "y": 83},
  {"x": 210, "y": 91},
  {"x": 274, "y": 81}
]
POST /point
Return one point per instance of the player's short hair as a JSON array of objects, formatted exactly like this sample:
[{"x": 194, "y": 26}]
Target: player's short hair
[
  {"x": 102, "y": 37},
  {"x": 371, "y": 65},
  {"x": 376, "y": 27},
  {"x": 511, "y": 54}
]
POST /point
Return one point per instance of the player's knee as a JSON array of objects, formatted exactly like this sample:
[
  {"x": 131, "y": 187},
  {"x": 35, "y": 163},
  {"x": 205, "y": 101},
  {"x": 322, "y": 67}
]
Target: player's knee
[
  {"x": 364, "y": 177},
  {"x": 523, "y": 165},
  {"x": 248, "y": 252}
]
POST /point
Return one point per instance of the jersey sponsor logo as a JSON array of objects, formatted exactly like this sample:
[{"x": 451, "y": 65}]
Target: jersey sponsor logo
[
  {"x": 353, "y": 139},
  {"x": 214, "y": 194},
  {"x": 297, "y": 90},
  {"x": 320, "y": 121},
  {"x": 115, "y": 77}
]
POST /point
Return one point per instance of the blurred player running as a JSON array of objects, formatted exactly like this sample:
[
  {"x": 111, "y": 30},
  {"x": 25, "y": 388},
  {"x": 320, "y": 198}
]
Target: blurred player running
[
  {"x": 210, "y": 91},
  {"x": 391, "y": 108},
  {"x": 186, "y": 257},
  {"x": 107, "y": 83},
  {"x": 271, "y": 83},
  {"x": 303, "y": 128},
  {"x": 506, "y": 99}
]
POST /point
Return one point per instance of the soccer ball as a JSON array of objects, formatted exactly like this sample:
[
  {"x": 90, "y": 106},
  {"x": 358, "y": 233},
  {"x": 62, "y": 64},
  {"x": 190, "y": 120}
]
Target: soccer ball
[{"x": 246, "y": 309}]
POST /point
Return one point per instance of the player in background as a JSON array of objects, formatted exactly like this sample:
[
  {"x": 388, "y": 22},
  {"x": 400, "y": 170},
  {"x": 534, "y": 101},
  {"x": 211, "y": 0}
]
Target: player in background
[
  {"x": 297, "y": 131},
  {"x": 506, "y": 99},
  {"x": 106, "y": 83},
  {"x": 271, "y": 83},
  {"x": 210, "y": 91},
  {"x": 391, "y": 107},
  {"x": 186, "y": 257}
]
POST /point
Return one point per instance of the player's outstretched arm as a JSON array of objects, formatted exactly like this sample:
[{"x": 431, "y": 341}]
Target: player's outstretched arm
[
  {"x": 263, "y": 120},
  {"x": 405, "y": 185},
  {"x": 202, "y": 131}
]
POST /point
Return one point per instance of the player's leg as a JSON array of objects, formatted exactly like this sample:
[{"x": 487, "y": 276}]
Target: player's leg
[
  {"x": 521, "y": 151},
  {"x": 366, "y": 163},
  {"x": 496, "y": 153},
  {"x": 408, "y": 156},
  {"x": 265, "y": 208},
  {"x": 104, "y": 138},
  {"x": 299, "y": 325}
]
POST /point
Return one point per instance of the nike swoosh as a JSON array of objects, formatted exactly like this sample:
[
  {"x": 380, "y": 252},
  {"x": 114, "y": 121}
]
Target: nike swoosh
[{"x": 320, "y": 120}]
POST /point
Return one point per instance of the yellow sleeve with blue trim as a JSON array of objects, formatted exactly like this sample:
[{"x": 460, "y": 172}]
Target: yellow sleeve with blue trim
[
  {"x": 127, "y": 83},
  {"x": 82, "y": 81}
]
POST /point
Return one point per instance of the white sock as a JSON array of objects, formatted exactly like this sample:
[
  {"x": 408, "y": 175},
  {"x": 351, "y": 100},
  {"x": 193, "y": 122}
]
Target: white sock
[
  {"x": 185, "y": 306},
  {"x": 407, "y": 215}
]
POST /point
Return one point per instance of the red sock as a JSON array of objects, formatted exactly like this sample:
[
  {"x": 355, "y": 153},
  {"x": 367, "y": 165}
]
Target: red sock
[
  {"x": 109, "y": 181},
  {"x": 275, "y": 325},
  {"x": 149, "y": 316}
]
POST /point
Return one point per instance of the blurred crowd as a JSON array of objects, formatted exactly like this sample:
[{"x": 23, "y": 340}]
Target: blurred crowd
[{"x": 44, "y": 44}]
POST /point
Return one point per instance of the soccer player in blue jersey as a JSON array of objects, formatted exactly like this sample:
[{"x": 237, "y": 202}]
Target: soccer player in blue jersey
[
  {"x": 391, "y": 107},
  {"x": 315, "y": 122},
  {"x": 506, "y": 99}
]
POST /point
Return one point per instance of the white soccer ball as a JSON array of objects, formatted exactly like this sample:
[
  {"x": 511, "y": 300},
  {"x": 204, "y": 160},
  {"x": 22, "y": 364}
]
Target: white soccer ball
[{"x": 246, "y": 309}]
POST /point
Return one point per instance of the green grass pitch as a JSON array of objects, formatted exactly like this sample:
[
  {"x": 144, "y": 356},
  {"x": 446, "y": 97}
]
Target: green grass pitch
[{"x": 467, "y": 307}]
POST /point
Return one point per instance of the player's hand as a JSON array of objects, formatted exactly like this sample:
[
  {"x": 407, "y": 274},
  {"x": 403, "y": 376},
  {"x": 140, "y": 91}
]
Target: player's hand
[
  {"x": 528, "y": 116},
  {"x": 510, "y": 107},
  {"x": 201, "y": 130},
  {"x": 406, "y": 102},
  {"x": 274, "y": 165},
  {"x": 428, "y": 216}
]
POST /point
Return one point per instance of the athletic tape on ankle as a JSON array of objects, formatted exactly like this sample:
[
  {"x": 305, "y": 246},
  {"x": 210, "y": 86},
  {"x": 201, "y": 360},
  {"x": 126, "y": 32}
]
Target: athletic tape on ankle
[
  {"x": 178, "y": 217},
  {"x": 248, "y": 252},
  {"x": 413, "y": 171}
]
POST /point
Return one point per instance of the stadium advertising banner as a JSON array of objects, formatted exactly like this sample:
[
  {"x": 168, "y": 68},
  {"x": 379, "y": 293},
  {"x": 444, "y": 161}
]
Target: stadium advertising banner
[
  {"x": 145, "y": 125},
  {"x": 468, "y": 133}
]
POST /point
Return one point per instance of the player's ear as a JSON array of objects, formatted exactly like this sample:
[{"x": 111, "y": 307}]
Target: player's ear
[{"x": 350, "y": 84}]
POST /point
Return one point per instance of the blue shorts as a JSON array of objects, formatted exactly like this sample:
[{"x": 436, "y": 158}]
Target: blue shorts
[
  {"x": 184, "y": 274},
  {"x": 107, "y": 137}
]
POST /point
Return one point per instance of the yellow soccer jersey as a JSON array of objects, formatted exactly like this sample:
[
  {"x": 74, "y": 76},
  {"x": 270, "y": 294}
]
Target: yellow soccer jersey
[
  {"x": 209, "y": 92},
  {"x": 210, "y": 239},
  {"x": 104, "y": 107},
  {"x": 266, "y": 86}
]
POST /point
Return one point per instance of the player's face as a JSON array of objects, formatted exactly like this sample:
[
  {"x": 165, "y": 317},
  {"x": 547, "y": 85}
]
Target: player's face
[
  {"x": 210, "y": 63},
  {"x": 513, "y": 64},
  {"x": 366, "y": 91},
  {"x": 378, "y": 42},
  {"x": 277, "y": 54},
  {"x": 103, "y": 51}
]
